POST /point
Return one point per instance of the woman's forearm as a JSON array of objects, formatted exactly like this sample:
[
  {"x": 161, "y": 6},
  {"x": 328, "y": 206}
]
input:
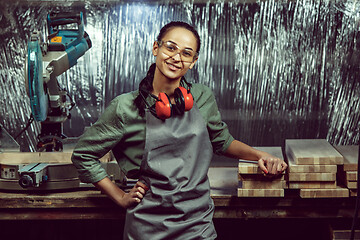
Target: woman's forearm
[
  {"x": 109, "y": 188},
  {"x": 243, "y": 151}
]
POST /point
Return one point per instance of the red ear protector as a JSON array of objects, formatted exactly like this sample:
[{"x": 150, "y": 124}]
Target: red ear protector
[{"x": 184, "y": 101}]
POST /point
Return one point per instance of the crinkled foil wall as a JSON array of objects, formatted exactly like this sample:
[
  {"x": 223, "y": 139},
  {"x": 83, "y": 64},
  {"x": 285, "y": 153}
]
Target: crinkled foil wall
[{"x": 279, "y": 70}]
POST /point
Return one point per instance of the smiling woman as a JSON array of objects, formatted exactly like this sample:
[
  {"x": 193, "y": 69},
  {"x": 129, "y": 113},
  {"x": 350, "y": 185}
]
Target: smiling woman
[
  {"x": 175, "y": 41},
  {"x": 161, "y": 135},
  {"x": 172, "y": 66}
]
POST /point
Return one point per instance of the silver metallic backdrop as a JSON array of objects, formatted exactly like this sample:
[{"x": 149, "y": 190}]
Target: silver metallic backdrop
[{"x": 279, "y": 70}]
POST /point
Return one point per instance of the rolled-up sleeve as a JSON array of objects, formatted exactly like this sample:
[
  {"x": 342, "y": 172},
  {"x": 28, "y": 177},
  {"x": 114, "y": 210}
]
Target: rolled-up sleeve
[
  {"x": 219, "y": 134},
  {"x": 98, "y": 140}
]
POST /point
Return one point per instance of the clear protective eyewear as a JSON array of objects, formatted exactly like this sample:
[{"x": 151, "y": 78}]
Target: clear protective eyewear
[{"x": 171, "y": 49}]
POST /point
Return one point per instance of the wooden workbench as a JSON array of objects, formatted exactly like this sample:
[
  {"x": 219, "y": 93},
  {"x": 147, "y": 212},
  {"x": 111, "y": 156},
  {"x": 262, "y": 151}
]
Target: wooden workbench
[
  {"x": 91, "y": 204},
  {"x": 87, "y": 214},
  {"x": 65, "y": 215}
]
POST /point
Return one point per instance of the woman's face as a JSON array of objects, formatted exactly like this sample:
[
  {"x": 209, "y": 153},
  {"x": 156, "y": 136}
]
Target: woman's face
[{"x": 175, "y": 65}]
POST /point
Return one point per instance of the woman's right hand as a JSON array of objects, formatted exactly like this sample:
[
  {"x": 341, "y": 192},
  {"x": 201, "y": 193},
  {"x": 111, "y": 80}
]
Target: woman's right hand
[
  {"x": 134, "y": 196},
  {"x": 124, "y": 199}
]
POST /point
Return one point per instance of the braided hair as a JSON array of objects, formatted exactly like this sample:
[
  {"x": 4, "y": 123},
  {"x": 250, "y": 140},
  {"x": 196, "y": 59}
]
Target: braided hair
[{"x": 146, "y": 85}]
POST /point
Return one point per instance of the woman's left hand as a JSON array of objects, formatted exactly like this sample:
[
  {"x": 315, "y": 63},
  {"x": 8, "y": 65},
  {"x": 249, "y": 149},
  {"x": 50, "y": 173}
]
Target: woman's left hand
[{"x": 272, "y": 165}]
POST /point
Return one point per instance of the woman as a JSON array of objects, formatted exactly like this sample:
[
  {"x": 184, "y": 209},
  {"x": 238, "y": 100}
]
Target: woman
[{"x": 171, "y": 158}]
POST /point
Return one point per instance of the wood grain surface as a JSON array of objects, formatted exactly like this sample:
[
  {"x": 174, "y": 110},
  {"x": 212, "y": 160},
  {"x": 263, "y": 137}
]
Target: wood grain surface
[
  {"x": 351, "y": 176},
  {"x": 324, "y": 193},
  {"x": 260, "y": 192},
  {"x": 301, "y": 177},
  {"x": 249, "y": 168},
  {"x": 277, "y": 184},
  {"x": 351, "y": 185},
  {"x": 251, "y": 177},
  {"x": 312, "y": 151},
  {"x": 260, "y": 177},
  {"x": 312, "y": 185},
  {"x": 311, "y": 168}
]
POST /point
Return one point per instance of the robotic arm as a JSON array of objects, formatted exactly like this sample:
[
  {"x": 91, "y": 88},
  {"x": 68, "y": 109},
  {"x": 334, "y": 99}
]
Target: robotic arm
[{"x": 67, "y": 41}]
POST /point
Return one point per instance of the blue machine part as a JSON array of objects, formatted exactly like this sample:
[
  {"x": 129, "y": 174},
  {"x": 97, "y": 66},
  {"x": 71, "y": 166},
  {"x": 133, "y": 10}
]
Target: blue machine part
[
  {"x": 74, "y": 41},
  {"x": 75, "y": 52},
  {"x": 38, "y": 97}
]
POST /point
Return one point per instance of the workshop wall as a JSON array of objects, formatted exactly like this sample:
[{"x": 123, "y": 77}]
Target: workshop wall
[{"x": 279, "y": 70}]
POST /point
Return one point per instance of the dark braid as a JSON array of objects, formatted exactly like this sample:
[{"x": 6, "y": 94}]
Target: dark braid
[{"x": 146, "y": 85}]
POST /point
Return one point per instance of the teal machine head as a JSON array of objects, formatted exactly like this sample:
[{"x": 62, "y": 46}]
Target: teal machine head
[{"x": 50, "y": 104}]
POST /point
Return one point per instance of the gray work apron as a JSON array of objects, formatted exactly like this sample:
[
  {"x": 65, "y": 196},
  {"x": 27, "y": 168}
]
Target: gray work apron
[{"x": 174, "y": 167}]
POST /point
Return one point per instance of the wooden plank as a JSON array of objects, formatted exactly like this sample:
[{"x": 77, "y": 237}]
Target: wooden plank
[
  {"x": 312, "y": 151},
  {"x": 301, "y": 177},
  {"x": 350, "y": 154},
  {"x": 324, "y": 193},
  {"x": 312, "y": 168},
  {"x": 351, "y": 185},
  {"x": 41, "y": 157},
  {"x": 260, "y": 177},
  {"x": 249, "y": 168},
  {"x": 260, "y": 192},
  {"x": 253, "y": 168},
  {"x": 351, "y": 176},
  {"x": 277, "y": 184},
  {"x": 312, "y": 185}
]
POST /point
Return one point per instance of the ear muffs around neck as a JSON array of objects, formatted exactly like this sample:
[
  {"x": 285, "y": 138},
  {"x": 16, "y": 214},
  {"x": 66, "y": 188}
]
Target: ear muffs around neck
[{"x": 184, "y": 101}]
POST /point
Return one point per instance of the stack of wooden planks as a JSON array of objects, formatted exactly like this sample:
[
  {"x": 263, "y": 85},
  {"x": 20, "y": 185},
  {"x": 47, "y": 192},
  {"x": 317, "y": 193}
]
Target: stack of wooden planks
[
  {"x": 347, "y": 173},
  {"x": 253, "y": 183},
  {"x": 313, "y": 167}
]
